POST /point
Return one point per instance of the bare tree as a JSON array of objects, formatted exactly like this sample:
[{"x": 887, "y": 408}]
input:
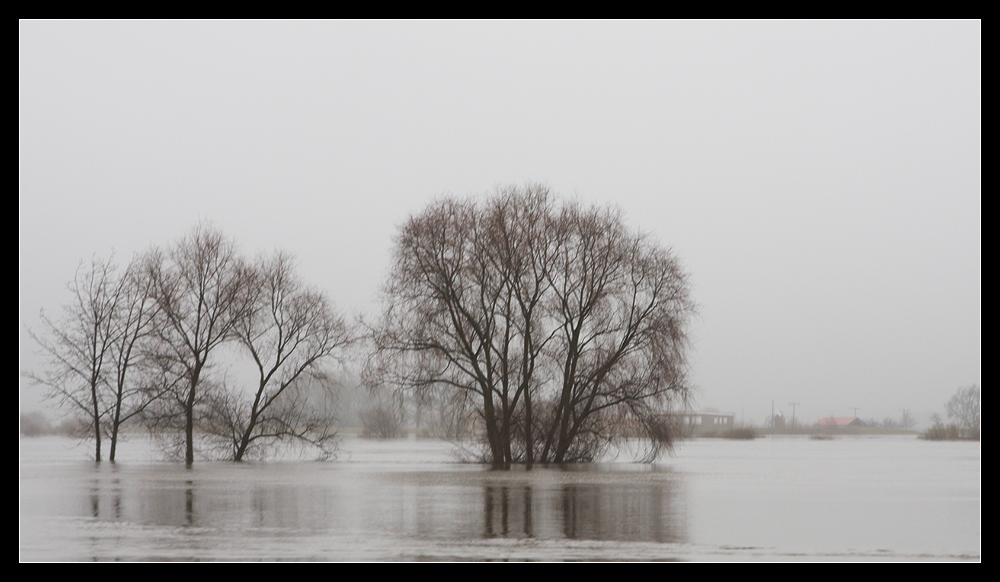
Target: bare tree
[
  {"x": 78, "y": 344},
  {"x": 517, "y": 244},
  {"x": 92, "y": 350},
  {"x": 620, "y": 306},
  {"x": 289, "y": 331},
  {"x": 140, "y": 344},
  {"x": 463, "y": 309},
  {"x": 201, "y": 287},
  {"x": 135, "y": 320},
  {"x": 964, "y": 410},
  {"x": 566, "y": 328},
  {"x": 304, "y": 413},
  {"x": 383, "y": 416}
]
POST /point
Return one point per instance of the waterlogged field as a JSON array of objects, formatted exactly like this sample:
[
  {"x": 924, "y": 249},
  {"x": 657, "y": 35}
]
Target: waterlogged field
[{"x": 850, "y": 498}]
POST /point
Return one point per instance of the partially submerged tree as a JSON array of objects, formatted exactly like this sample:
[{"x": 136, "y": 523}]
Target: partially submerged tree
[
  {"x": 134, "y": 325},
  {"x": 202, "y": 289},
  {"x": 305, "y": 413},
  {"x": 290, "y": 332},
  {"x": 141, "y": 342},
  {"x": 964, "y": 409},
  {"x": 621, "y": 310},
  {"x": 564, "y": 326},
  {"x": 92, "y": 350}
]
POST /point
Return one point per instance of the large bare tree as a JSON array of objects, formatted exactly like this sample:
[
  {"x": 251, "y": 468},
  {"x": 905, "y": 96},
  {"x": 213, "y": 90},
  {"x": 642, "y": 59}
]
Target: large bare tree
[
  {"x": 567, "y": 328},
  {"x": 202, "y": 289}
]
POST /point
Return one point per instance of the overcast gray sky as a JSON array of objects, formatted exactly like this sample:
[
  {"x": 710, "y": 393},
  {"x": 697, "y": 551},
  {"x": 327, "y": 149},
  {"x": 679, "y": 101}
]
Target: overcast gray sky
[{"x": 820, "y": 181}]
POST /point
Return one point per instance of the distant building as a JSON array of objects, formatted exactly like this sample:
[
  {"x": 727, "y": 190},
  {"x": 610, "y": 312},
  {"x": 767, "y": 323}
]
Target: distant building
[{"x": 709, "y": 420}]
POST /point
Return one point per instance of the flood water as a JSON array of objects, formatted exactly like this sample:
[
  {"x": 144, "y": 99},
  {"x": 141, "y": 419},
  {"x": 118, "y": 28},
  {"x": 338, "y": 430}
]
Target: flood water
[{"x": 850, "y": 498}]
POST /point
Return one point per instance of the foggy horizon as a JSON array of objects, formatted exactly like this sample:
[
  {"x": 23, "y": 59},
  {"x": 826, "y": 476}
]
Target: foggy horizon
[{"x": 820, "y": 182}]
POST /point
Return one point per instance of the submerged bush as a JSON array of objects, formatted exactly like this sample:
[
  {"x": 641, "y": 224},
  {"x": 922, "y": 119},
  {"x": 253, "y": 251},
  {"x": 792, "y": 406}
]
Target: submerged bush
[
  {"x": 950, "y": 432},
  {"x": 743, "y": 433},
  {"x": 381, "y": 422}
]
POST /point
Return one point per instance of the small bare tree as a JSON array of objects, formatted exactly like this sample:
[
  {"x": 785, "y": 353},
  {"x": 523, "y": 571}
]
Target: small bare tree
[
  {"x": 964, "y": 410},
  {"x": 290, "y": 332},
  {"x": 383, "y": 416},
  {"x": 92, "y": 351},
  {"x": 77, "y": 346},
  {"x": 135, "y": 321}
]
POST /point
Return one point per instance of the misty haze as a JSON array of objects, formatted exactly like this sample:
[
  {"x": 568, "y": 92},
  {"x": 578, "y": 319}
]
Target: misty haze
[{"x": 542, "y": 291}]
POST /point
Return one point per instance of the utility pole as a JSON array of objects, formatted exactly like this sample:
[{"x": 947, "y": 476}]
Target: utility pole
[{"x": 855, "y": 409}]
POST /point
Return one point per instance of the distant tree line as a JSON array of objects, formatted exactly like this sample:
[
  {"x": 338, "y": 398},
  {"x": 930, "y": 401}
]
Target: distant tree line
[
  {"x": 143, "y": 343},
  {"x": 37, "y": 424}
]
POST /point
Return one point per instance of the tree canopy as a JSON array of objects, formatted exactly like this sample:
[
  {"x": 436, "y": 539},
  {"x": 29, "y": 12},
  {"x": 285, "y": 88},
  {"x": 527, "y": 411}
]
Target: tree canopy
[{"x": 566, "y": 327}]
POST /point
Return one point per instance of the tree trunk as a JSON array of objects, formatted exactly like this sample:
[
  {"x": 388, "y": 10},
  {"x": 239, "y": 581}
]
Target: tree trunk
[
  {"x": 97, "y": 423},
  {"x": 189, "y": 416}
]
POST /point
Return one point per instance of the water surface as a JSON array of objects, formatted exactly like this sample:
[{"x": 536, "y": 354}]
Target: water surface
[{"x": 871, "y": 498}]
